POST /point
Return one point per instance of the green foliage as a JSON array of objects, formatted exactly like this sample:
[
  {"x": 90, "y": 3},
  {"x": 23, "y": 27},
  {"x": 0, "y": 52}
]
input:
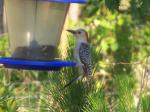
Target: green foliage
[
  {"x": 7, "y": 102},
  {"x": 124, "y": 86},
  {"x": 140, "y": 11},
  {"x": 145, "y": 104},
  {"x": 112, "y": 4},
  {"x": 4, "y": 47},
  {"x": 96, "y": 102}
]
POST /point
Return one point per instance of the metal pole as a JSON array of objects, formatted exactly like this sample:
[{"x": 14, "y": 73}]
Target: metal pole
[{"x": 1, "y": 17}]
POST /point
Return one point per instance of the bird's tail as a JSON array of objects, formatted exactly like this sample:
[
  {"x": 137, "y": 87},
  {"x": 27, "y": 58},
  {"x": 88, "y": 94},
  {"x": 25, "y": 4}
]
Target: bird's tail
[{"x": 79, "y": 77}]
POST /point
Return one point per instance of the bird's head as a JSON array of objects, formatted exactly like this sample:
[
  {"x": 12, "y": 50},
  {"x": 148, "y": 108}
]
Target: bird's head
[{"x": 79, "y": 34}]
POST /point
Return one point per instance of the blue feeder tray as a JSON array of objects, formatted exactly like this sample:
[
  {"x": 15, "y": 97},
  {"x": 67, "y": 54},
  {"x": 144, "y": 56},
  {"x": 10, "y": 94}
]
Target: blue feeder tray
[
  {"x": 68, "y": 1},
  {"x": 54, "y": 65}
]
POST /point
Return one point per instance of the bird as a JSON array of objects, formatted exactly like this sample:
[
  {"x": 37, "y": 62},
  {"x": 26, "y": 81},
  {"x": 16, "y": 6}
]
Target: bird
[{"x": 82, "y": 54}]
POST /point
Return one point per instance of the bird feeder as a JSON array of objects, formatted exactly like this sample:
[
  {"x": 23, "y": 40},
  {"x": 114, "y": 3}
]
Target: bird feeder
[{"x": 34, "y": 28}]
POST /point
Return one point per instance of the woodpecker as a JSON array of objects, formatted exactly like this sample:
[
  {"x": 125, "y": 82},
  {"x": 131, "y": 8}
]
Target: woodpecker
[{"x": 82, "y": 54}]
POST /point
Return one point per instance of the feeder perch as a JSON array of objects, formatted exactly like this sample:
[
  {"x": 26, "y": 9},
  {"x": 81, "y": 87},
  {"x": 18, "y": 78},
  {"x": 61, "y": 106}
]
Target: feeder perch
[{"x": 34, "y": 28}]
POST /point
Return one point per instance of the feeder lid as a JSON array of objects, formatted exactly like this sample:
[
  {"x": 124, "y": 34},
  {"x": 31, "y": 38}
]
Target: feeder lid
[
  {"x": 54, "y": 65},
  {"x": 68, "y": 1}
]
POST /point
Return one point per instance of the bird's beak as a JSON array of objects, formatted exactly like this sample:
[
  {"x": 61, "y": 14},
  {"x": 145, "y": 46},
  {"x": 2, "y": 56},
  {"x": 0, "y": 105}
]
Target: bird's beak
[{"x": 72, "y": 31}]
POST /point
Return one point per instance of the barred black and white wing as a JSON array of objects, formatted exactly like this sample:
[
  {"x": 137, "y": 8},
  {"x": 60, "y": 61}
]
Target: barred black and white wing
[{"x": 85, "y": 58}]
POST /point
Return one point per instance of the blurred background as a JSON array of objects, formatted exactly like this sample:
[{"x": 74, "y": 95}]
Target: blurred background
[{"x": 119, "y": 33}]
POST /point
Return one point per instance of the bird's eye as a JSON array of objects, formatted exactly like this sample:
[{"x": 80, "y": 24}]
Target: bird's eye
[{"x": 79, "y": 32}]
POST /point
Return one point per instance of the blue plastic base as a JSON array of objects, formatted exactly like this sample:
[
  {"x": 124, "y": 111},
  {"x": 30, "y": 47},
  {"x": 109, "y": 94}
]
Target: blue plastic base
[
  {"x": 68, "y": 1},
  {"x": 54, "y": 65}
]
